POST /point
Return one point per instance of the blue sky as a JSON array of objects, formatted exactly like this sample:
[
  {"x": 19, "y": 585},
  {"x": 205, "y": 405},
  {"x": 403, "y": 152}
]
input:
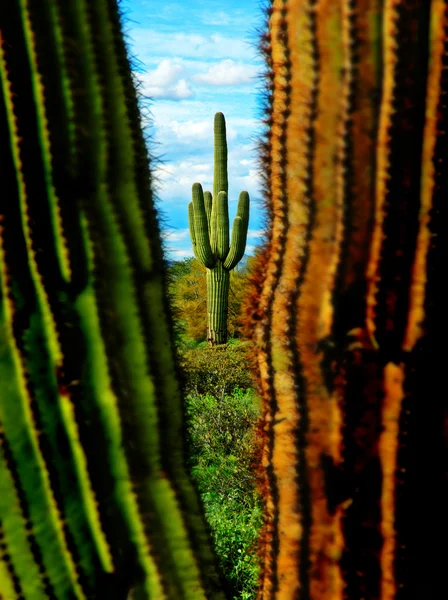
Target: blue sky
[{"x": 194, "y": 61}]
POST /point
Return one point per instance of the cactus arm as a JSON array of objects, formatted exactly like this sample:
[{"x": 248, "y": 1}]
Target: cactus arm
[
  {"x": 208, "y": 210},
  {"x": 243, "y": 207},
  {"x": 213, "y": 227},
  {"x": 239, "y": 233},
  {"x": 237, "y": 247},
  {"x": 203, "y": 248},
  {"x": 222, "y": 226},
  {"x": 192, "y": 230}
]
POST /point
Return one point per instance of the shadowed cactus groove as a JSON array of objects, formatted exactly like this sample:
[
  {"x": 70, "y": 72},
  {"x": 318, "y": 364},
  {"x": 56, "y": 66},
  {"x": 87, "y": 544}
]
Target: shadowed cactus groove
[
  {"x": 349, "y": 306},
  {"x": 209, "y": 230},
  {"x": 95, "y": 499}
]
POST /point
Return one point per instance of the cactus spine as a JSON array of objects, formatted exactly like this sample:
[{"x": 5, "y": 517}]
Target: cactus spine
[
  {"x": 350, "y": 316},
  {"x": 209, "y": 230},
  {"x": 95, "y": 498}
]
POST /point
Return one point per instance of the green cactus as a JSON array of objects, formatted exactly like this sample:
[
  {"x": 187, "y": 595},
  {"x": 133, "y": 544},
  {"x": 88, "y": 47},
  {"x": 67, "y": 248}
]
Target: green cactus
[
  {"x": 94, "y": 499},
  {"x": 209, "y": 230}
]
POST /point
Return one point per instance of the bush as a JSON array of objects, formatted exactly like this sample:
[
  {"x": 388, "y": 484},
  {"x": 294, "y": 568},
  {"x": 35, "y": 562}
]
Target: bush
[
  {"x": 221, "y": 432},
  {"x": 216, "y": 371}
]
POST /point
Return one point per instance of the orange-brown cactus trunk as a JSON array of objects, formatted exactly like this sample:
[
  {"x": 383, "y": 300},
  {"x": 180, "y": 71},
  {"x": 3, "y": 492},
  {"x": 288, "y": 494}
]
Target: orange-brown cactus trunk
[{"x": 350, "y": 311}]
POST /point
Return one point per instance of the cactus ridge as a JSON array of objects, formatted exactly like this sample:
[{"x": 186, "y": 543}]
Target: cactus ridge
[
  {"x": 27, "y": 568},
  {"x": 10, "y": 581},
  {"x": 354, "y": 173},
  {"x": 286, "y": 232}
]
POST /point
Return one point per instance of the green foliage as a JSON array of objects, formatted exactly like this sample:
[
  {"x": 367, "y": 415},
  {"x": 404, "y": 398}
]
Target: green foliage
[
  {"x": 187, "y": 288},
  {"x": 217, "y": 370},
  {"x": 222, "y": 412},
  {"x": 222, "y": 442}
]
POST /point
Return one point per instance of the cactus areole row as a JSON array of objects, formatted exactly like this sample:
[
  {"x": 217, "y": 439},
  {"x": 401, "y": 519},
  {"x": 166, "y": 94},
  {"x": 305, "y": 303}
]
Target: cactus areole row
[
  {"x": 209, "y": 229},
  {"x": 350, "y": 314}
]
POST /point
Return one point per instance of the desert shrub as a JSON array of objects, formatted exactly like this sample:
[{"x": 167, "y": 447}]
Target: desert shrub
[
  {"x": 216, "y": 371},
  {"x": 222, "y": 447}
]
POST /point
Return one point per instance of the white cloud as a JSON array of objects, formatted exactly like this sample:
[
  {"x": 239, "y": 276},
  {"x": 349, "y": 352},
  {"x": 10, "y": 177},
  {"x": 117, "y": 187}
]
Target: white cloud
[
  {"x": 166, "y": 81},
  {"x": 227, "y": 72},
  {"x": 178, "y": 254},
  {"x": 177, "y": 178},
  {"x": 235, "y": 18},
  {"x": 201, "y": 167},
  {"x": 145, "y": 42},
  {"x": 251, "y": 179},
  {"x": 182, "y": 89},
  {"x": 176, "y": 236},
  {"x": 183, "y": 134},
  {"x": 200, "y": 130},
  {"x": 219, "y": 18},
  {"x": 255, "y": 233}
]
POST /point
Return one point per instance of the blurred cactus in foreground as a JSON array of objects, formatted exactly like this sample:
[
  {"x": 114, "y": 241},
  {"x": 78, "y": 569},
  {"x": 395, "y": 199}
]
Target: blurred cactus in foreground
[
  {"x": 349, "y": 307},
  {"x": 209, "y": 230},
  {"x": 95, "y": 498}
]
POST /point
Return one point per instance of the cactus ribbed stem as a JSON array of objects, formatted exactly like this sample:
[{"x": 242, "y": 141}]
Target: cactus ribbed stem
[
  {"x": 348, "y": 309},
  {"x": 208, "y": 209},
  {"x": 220, "y": 180},
  {"x": 239, "y": 233},
  {"x": 222, "y": 226},
  {"x": 218, "y": 282}
]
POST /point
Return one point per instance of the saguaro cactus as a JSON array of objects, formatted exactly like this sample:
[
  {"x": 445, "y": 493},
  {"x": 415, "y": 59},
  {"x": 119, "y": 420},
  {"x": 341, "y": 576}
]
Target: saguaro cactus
[
  {"x": 209, "y": 229},
  {"x": 350, "y": 319},
  {"x": 95, "y": 498}
]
